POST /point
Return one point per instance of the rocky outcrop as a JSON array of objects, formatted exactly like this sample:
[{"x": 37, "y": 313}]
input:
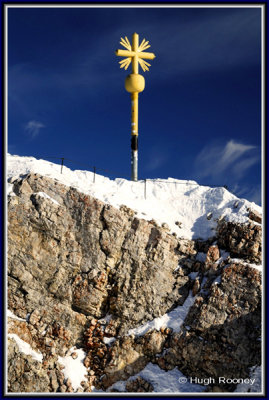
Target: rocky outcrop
[
  {"x": 255, "y": 216},
  {"x": 32, "y": 377},
  {"x": 72, "y": 256},
  {"x": 130, "y": 354},
  {"x": 221, "y": 334},
  {"x": 241, "y": 240},
  {"x": 74, "y": 260},
  {"x": 139, "y": 385}
]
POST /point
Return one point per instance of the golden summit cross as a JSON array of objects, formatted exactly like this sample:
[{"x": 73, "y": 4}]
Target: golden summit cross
[
  {"x": 135, "y": 54},
  {"x": 134, "y": 84}
]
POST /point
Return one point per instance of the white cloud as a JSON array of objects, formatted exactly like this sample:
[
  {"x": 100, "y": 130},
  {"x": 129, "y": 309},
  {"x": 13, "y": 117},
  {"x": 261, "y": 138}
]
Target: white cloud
[
  {"x": 155, "y": 163},
  {"x": 233, "y": 151},
  {"x": 157, "y": 158},
  {"x": 232, "y": 159},
  {"x": 250, "y": 192},
  {"x": 242, "y": 166},
  {"x": 229, "y": 164},
  {"x": 33, "y": 128}
]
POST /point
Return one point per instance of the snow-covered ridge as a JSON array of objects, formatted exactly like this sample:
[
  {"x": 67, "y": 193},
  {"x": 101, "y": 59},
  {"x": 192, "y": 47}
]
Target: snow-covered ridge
[{"x": 167, "y": 201}]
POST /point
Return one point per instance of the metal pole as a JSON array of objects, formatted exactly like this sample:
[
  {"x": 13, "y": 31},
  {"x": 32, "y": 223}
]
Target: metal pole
[
  {"x": 135, "y": 44},
  {"x": 62, "y": 165},
  {"x": 94, "y": 171},
  {"x": 145, "y": 189},
  {"x": 134, "y": 98},
  {"x": 134, "y": 133},
  {"x": 134, "y": 163}
]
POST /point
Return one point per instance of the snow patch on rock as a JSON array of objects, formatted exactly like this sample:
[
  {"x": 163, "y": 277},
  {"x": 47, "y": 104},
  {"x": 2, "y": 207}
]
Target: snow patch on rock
[
  {"x": 74, "y": 369},
  {"x": 26, "y": 348}
]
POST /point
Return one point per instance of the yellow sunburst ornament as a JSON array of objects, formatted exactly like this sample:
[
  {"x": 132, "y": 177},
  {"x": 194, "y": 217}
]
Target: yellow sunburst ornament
[
  {"x": 135, "y": 53},
  {"x": 134, "y": 83}
]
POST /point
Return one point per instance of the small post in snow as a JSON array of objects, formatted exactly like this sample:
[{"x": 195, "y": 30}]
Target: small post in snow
[
  {"x": 134, "y": 84},
  {"x": 62, "y": 164}
]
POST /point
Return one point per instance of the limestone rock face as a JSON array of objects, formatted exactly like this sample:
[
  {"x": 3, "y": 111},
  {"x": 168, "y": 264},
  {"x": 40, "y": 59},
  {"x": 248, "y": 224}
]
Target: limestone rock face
[
  {"x": 70, "y": 254},
  {"x": 255, "y": 216},
  {"x": 81, "y": 271},
  {"x": 224, "y": 328},
  {"x": 139, "y": 385},
  {"x": 129, "y": 355},
  {"x": 33, "y": 378},
  {"x": 242, "y": 240}
]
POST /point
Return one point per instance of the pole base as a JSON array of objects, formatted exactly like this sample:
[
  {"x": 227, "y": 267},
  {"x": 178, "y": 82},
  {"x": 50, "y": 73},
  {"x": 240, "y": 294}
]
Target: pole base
[{"x": 134, "y": 163}]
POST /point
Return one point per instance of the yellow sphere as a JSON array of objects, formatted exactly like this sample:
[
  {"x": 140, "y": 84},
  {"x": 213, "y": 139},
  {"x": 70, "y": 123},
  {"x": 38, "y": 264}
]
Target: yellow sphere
[{"x": 134, "y": 83}]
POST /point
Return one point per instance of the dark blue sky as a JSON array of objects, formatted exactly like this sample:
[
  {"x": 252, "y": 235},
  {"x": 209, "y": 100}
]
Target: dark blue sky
[{"x": 199, "y": 115}]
